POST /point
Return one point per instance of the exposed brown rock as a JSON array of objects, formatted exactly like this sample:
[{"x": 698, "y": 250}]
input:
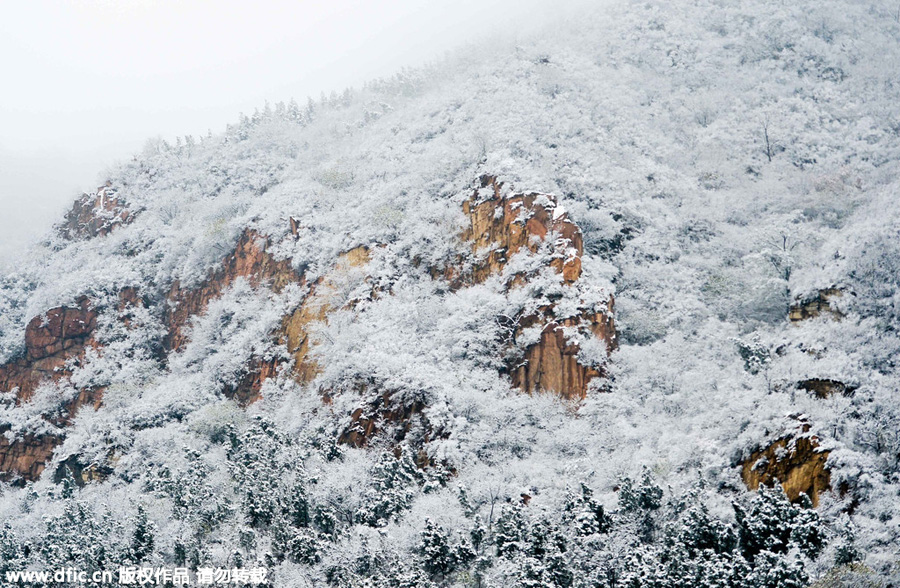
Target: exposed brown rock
[
  {"x": 54, "y": 341},
  {"x": 84, "y": 473},
  {"x": 249, "y": 260},
  {"x": 502, "y": 225},
  {"x": 295, "y": 226},
  {"x": 366, "y": 421},
  {"x": 51, "y": 339},
  {"x": 95, "y": 215},
  {"x": 551, "y": 365},
  {"x": 24, "y": 458},
  {"x": 247, "y": 390},
  {"x": 295, "y": 327},
  {"x": 825, "y": 388},
  {"x": 819, "y": 305},
  {"x": 795, "y": 461}
]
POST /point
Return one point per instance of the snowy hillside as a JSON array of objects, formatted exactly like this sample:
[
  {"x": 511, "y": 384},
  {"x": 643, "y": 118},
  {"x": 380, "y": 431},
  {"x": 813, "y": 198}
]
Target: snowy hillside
[{"x": 545, "y": 314}]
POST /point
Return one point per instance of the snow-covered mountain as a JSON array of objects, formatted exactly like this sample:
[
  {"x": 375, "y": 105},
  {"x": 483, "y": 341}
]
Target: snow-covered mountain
[{"x": 545, "y": 314}]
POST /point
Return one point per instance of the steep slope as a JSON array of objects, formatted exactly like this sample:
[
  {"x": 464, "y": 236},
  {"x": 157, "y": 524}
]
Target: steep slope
[{"x": 543, "y": 314}]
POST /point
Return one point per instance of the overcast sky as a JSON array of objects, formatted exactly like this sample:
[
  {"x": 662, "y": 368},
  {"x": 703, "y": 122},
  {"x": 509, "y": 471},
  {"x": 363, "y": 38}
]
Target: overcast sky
[{"x": 86, "y": 82}]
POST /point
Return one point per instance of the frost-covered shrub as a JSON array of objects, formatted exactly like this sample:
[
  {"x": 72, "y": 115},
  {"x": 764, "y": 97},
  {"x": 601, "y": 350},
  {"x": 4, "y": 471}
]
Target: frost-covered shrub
[{"x": 875, "y": 275}]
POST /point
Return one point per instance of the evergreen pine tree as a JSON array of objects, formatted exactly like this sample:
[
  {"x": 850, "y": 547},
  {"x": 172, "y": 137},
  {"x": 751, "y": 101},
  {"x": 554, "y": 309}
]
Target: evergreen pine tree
[
  {"x": 391, "y": 491},
  {"x": 508, "y": 531},
  {"x": 643, "y": 496},
  {"x": 13, "y": 551},
  {"x": 585, "y": 513},
  {"x": 477, "y": 533},
  {"x": 142, "y": 539},
  {"x": 776, "y": 570},
  {"x": 434, "y": 546},
  {"x": 771, "y": 523},
  {"x": 846, "y": 551}
]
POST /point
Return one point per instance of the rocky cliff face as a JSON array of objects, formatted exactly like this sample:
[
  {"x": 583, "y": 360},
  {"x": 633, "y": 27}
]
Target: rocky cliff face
[
  {"x": 500, "y": 226},
  {"x": 52, "y": 339},
  {"x": 55, "y": 342},
  {"x": 25, "y": 457},
  {"x": 294, "y": 332},
  {"x": 249, "y": 260},
  {"x": 552, "y": 364},
  {"x": 95, "y": 215},
  {"x": 796, "y": 461}
]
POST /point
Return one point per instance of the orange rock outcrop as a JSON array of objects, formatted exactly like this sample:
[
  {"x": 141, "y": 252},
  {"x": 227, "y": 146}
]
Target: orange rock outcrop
[
  {"x": 552, "y": 364},
  {"x": 57, "y": 340},
  {"x": 501, "y": 225},
  {"x": 51, "y": 340},
  {"x": 248, "y": 260},
  {"x": 25, "y": 457},
  {"x": 318, "y": 303},
  {"x": 796, "y": 461}
]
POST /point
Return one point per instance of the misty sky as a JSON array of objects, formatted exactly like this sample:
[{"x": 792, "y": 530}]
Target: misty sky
[{"x": 86, "y": 82}]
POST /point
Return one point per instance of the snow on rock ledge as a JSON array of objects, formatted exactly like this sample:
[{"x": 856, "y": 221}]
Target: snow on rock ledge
[
  {"x": 500, "y": 226},
  {"x": 546, "y": 343},
  {"x": 796, "y": 461},
  {"x": 503, "y": 225},
  {"x": 821, "y": 304},
  {"x": 95, "y": 215},
  {"x": 54, "y": 342}
]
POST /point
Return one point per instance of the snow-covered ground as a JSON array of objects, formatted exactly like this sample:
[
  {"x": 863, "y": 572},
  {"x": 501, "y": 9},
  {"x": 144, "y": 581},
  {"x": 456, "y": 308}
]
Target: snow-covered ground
[{"x": 722, "y": 159}]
